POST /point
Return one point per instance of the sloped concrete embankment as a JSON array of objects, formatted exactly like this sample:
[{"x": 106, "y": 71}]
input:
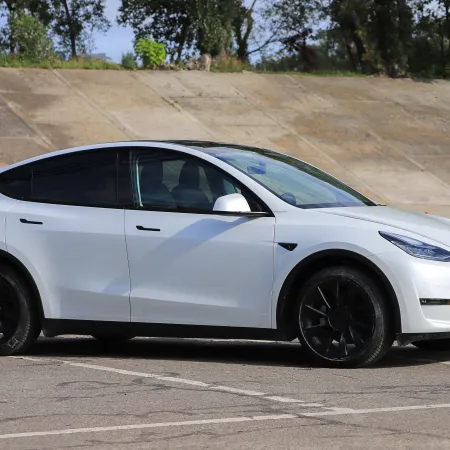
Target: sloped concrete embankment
[{"x": 388, "y": 138}]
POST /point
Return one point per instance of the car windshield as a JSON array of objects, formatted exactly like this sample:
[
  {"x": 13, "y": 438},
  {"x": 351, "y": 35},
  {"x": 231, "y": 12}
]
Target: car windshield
[{"x": 290, "y": 179}]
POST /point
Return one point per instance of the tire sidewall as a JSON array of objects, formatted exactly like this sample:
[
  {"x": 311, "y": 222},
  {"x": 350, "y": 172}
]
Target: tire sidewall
[
  {"x": 22, "y": 337},
  {"x": 381, "y": 333}
]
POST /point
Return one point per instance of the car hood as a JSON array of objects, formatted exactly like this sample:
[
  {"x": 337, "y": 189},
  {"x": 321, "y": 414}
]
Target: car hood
[{"x": 428, "y": 226}]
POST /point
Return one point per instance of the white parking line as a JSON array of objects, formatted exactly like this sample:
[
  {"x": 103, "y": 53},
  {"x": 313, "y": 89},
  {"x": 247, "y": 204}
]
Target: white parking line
[
  {"x": 218, "y": 421},
  {"x": 201, "y": 384},
  {"x": 344, "y": 411}
]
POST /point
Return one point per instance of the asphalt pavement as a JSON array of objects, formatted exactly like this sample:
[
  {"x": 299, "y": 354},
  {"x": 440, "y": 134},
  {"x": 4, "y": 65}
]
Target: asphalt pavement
[{"x": 195, "y": 394}]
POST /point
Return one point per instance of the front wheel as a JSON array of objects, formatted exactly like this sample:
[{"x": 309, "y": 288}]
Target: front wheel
[{"x": 343, "y": 318}]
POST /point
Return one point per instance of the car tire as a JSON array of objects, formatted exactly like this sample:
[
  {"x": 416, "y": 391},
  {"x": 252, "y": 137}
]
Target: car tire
[
  {"x": 343, "y": 318},
  {"x": 440, "y": 345},
  {"x": 113, "y": 338},
  {"x": 19, "y": 318}
]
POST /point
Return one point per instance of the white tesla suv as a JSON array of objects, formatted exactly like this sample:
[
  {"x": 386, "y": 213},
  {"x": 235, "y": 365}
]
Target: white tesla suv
[{"x": 200, "y": 239}]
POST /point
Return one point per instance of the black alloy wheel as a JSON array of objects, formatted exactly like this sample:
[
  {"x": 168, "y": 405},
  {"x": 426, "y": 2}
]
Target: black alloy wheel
[
  {"x": 343, "y": 318},
  {"x": 9, "y": 311},
  {"x": 19, "y": 319}
]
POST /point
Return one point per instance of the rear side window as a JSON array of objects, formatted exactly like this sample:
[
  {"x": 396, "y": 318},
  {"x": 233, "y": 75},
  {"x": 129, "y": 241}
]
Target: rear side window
[
  {"x": 16, "y": 183},
  {"x": 84, "y": 179}
]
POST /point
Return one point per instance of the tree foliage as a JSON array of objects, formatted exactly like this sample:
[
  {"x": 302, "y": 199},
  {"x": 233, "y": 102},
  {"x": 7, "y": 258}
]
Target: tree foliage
[
  {"x": 151, "y": 53},
  {"x": 10, "y": 11},
  {"x": 166, "y": 21},
  {"x": 395, "y": 37},
  {"x": 392, "y": 37},
  {"x": 31, "y": 38},
  {"x": 187, "y": 26},
  {"x": 75, "y": 20}
]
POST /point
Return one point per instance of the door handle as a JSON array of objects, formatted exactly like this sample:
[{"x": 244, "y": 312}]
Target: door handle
[
  {"x": 141, "y": 228},
  {"x": 31, "y": 222}
]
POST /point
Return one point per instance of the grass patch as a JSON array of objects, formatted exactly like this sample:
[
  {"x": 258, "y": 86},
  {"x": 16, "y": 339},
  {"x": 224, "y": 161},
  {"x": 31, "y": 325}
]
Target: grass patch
[
  {"x": 229, "y": 64},
  {"x": 92, "y": 64},
  {"x": 315, "y": 73}
]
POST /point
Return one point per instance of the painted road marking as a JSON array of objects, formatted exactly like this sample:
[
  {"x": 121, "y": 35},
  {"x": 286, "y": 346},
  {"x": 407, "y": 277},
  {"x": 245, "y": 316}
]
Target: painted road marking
[
  {"x": 201, "y": 384},
  {"x": 219, "y": 421}
]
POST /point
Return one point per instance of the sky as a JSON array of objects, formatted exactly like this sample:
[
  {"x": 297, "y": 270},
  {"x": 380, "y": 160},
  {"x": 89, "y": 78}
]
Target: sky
[{"x": 118, "y": 39}]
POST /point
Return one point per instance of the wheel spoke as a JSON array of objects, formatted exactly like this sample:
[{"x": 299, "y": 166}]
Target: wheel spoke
[
  {"x": 357, "y": 339},
  {"x": 343, "y": 349},
  {"x": 327, "y": 343},
  {"x": 6, "y": 330},
  {"x": 323, "y": 297},
  {"x": 361, "y": 325},
  {"x": 318, "y": 311},
  {"x": 9, "y": 312},
  {"x": 315, "y": 330}
]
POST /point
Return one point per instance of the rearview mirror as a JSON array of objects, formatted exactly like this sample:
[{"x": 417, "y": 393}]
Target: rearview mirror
[{"x": 232, "y": 203}]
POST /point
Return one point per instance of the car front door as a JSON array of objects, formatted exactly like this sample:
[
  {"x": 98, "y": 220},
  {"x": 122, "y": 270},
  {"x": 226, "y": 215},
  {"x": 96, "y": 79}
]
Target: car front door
[
  {"x": 189, "y": 265},
  {"x": 68, "y": 230}
]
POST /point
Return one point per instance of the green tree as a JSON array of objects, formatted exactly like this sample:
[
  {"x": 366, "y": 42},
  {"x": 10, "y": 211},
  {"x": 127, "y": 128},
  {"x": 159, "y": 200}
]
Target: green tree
[
  {"x": 349, "y": 28},
  {"x": 290, "y": 23},
  {"x": 75, "y": 20},
  {"x": 214, "y": 25},
  {"x": 243, "y": 26},
  {"x": 185, "y": 26},
  {"x": 168, "y": 21},
  {"x": 377, "y": 34},
  {"x": 31, "y": 37},
  {"x": 431, "y": 46},
  {"x": 129, "y": 61},
  {"x": 10, "y": 10},
  {"x": 151, "y": 53}
]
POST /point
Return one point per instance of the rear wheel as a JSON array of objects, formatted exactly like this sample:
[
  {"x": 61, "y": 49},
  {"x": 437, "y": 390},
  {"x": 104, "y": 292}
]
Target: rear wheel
[
  {"x": 441, "y": 345},
  {"x": 343, "y": 318},
  {"x": 19, "y": 323}
]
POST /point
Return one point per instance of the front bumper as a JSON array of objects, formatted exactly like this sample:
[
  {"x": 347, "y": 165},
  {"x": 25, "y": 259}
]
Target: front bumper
[{"x": 413, "y": 279}]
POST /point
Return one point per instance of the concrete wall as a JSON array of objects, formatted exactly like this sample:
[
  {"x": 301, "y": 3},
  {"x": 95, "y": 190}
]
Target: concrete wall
[{"x": 388, "y": 138}]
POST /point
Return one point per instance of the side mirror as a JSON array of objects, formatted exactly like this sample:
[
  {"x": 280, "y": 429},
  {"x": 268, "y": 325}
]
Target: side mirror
[{"x": 232, "y": 203}]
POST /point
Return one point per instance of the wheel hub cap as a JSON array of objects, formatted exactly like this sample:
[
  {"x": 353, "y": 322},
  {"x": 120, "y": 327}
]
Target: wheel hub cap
[{"x": 339, "y": 319}]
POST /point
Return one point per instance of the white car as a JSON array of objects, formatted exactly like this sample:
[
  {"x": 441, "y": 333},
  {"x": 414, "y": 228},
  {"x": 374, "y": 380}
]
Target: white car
[{"x": 200, "y": 239}]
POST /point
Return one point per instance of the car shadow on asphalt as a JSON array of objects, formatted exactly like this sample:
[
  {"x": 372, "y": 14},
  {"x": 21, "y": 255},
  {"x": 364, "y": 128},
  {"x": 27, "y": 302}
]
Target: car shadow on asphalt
[{"x": 222, "y": 352}]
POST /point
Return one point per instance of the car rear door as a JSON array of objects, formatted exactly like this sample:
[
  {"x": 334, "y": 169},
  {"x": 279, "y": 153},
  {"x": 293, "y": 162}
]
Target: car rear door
[
  {"x": 189, "y": 265},
  {"x": 69, "y": 231}
]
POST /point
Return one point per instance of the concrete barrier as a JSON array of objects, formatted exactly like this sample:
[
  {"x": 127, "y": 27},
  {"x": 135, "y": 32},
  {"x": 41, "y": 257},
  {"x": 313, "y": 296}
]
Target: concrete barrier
[{"x": 388, "y": 138}]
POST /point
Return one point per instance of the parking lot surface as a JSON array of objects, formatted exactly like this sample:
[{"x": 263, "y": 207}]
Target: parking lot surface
[{"x": 75, "y": 392}]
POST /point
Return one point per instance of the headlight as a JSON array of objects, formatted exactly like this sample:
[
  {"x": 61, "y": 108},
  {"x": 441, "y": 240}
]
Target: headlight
[{"x": 417, "y": 248}]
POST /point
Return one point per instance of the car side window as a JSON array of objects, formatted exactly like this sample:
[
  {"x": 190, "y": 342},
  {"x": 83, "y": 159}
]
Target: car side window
[
  {"x": 16, "y": 183},
  {"x": 178, "y": 182},
  {"x": 86, "y": 178}
]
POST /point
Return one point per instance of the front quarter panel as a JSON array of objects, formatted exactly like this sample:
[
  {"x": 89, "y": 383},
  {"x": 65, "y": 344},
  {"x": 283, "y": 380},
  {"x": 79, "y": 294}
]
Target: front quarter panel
[{"x": 314, "y": 232}]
